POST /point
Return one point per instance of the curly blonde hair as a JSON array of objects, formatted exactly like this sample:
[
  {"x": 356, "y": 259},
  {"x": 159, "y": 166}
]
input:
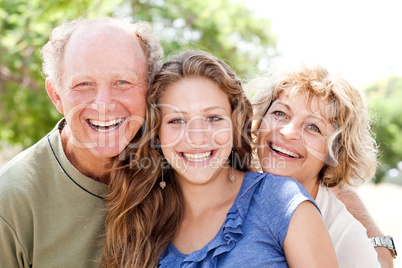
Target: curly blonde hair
[
  {"x": 352, "y": 149},
  {"x": 53, "y": 51},
  {"x": 142, "y": 219}
]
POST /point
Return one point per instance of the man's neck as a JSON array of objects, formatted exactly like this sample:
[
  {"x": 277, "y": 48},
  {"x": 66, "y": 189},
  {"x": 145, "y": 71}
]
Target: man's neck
[{"x": 96, "y": 168}]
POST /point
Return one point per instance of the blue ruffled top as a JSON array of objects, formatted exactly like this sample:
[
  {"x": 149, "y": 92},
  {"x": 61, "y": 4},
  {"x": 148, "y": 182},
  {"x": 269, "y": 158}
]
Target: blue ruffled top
[{"x": 254, "y": 230}]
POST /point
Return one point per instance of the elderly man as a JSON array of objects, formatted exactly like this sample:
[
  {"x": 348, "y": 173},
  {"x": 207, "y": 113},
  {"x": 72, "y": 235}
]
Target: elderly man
[{"x": 51, "y": 208}]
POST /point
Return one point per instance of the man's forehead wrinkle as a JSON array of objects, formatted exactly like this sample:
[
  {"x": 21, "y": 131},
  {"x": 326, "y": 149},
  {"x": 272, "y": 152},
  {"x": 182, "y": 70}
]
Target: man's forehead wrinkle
[{"x": 97, "y": 33}]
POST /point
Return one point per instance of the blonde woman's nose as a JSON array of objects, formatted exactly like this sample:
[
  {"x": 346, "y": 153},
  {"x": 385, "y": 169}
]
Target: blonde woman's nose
[{"x": 290, "y": 131}]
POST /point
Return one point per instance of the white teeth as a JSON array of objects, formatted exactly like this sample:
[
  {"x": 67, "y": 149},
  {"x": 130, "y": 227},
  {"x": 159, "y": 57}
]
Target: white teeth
[
  {"x": 283, "y": 150},
  {"x": 197, "y": 157},
  {"x": 105, "y": 126}
]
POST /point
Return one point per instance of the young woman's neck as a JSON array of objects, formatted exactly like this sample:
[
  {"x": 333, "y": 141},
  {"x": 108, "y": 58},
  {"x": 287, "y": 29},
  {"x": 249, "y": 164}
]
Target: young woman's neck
[
  {"x": 205, "y": 210},
  {"x": 218, "y": 192}
]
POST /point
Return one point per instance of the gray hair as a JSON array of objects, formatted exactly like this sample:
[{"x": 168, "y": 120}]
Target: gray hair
[{"x": 52, "y": 53}]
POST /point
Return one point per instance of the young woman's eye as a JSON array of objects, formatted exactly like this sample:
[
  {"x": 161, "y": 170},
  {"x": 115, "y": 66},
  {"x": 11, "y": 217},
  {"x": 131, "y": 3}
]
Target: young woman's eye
[
  {"x": 177, "y": 121},
  {"x": 214, "y": 118}
]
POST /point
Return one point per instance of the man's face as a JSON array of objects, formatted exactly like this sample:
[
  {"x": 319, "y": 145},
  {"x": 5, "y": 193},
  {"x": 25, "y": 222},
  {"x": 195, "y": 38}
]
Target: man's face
[{"x": 103, "y": 86}]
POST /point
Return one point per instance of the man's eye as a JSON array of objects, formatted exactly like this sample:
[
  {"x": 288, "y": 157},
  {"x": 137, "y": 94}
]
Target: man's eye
[
  {"x": 177, "y": 121},
  {"x": 214, "y": 118},
  {"x": 84, "y": 84},
  {"x": 122, "y": 84}
]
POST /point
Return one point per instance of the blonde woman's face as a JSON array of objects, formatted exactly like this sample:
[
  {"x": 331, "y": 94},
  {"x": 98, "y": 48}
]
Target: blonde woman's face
[
  {"x": 293, "y": 138},
  {"x": 196, "y": 130}
]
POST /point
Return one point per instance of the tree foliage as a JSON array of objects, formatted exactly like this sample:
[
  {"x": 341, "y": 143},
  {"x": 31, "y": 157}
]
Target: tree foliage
[
  {"x": 385, "y": 101},
  {"x": 224, "y": 27}
]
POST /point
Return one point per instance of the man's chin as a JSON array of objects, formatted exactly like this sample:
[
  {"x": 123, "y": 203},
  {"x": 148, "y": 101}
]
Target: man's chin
[
  {"x": 105, "y": 152},
  {"x": 108, "y": 145},
  {"x": 101, "y": 146}
]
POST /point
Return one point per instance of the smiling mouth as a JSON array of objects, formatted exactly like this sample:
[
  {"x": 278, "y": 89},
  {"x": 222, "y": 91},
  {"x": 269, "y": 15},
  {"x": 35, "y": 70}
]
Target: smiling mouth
[
  {"x": 197, "y": 157},
  {"x": 283, "y": 151},
  {"x": 105, "y": 126}
]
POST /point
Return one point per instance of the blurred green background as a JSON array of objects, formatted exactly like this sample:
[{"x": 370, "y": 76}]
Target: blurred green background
[{"x": 228, "y": 29}]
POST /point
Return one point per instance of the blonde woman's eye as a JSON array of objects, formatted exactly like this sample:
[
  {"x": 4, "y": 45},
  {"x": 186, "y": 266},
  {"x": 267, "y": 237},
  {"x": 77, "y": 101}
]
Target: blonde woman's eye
[
  {"x": 214, "y": 119},
  {"x": 314, "y": 128},
  {"x": 279, "y": 114},
  {"x": 177, "y": 121}
]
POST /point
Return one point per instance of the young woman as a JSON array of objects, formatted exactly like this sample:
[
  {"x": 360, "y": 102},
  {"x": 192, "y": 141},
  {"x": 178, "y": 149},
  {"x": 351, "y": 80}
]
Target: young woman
[
  {"x": 187, "y": 198},
  {"x": 313, "y": 126}
]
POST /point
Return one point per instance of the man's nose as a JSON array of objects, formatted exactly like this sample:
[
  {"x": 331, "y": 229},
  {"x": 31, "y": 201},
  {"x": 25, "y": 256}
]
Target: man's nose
[{"x": 104, "y": 99}]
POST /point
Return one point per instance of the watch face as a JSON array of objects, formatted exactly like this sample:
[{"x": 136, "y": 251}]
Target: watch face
[{"x": 392, "y": 246}]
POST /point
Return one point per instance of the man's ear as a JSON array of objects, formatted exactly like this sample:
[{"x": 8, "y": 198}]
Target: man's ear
[{"x": 54, "y": 95}]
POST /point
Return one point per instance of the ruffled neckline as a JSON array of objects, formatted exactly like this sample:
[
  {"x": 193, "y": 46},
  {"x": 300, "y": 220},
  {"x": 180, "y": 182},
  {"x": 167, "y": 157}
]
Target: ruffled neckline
[{"x": 229, "y": 233}]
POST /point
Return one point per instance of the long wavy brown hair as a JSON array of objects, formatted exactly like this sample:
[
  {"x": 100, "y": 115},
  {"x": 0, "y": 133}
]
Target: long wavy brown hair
[{"x": 142, "y": 218}]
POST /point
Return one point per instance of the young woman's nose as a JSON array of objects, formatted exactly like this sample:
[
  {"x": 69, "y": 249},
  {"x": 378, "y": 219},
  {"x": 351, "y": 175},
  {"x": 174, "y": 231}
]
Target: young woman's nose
[{"x": 197, "y": 132}]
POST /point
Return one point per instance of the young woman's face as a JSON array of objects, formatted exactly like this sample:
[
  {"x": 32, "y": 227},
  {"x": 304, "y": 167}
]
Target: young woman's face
[
  {"x": 293, "y": 138},
  {"x": 196, "y": 129}
]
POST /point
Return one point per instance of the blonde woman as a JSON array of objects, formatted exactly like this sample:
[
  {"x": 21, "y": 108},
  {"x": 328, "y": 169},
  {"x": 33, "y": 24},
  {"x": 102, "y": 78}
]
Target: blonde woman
[
  {"x": 312, "y": 126},
  {"x": 198, "y": 204}
]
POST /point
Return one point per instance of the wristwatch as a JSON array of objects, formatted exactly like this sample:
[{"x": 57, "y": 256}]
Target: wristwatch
[{"x": 385, "y": 241}]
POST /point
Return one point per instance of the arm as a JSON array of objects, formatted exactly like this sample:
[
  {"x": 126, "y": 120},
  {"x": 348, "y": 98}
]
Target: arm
[
  {"x": 10, "y": 249},
  {"x": 355, "y": 206},
  {"x": 307, "y": 243}
]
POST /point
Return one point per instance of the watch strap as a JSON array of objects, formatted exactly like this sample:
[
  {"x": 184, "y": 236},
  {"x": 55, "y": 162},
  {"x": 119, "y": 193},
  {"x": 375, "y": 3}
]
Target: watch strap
[{"x": 385, "y": 241}]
